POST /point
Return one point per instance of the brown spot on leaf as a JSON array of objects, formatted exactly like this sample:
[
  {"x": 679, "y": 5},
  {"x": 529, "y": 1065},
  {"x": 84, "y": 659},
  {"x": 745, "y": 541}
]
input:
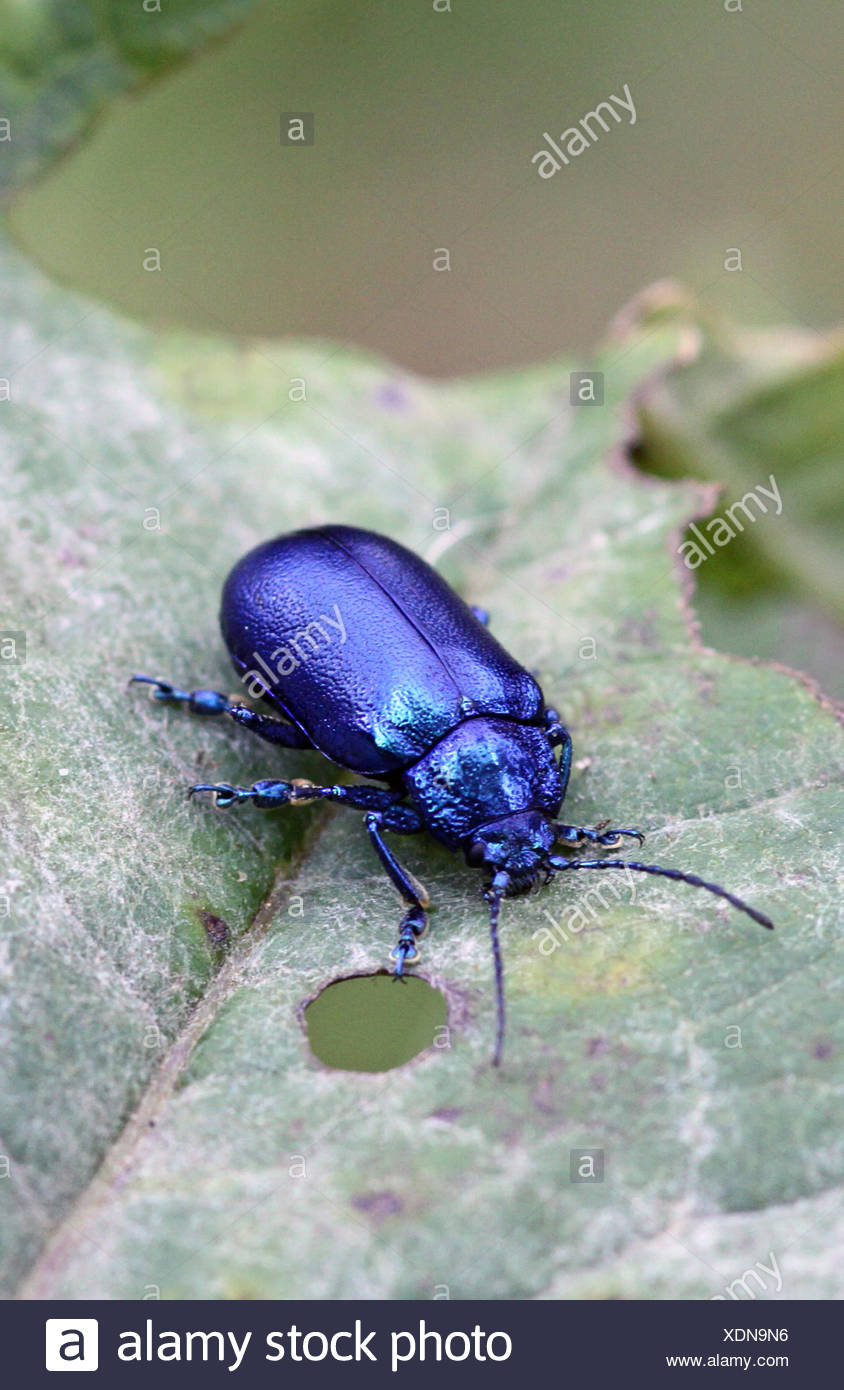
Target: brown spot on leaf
[
  {"x": 216, "y": 929},
  {"x": 543, "y": 1095},
  {"x": 392, "y": 396},
  {"x": 706, "y": 687},
  {"x": 378, "y": 1205},
  {"x": 641, "y": 630}
]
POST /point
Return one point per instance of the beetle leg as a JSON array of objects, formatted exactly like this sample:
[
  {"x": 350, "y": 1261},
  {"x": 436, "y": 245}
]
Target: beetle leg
[
  {"x": 300, "y": 792},
  {"x": 414, "y": 922},
  {"x": 480, "y": 613},
  {"x": 266, "y": 727},
  {"x": 197, "y": 701},
  {"x": 215, "y": 702},
  {"x": 265, "y": 794},
  {"x": 576, "y": 835},
  {"x": 558, "y": 736}
]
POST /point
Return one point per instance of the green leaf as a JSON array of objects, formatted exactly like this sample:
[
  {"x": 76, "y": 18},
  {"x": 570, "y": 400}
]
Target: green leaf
[
  {"x": 63, "y": 60},
  {"x": 750, "y": 407},
  {"x": 166, "y": 1124}
]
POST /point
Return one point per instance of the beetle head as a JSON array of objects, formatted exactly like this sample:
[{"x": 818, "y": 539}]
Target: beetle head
[{"x": 516, "y": 846}]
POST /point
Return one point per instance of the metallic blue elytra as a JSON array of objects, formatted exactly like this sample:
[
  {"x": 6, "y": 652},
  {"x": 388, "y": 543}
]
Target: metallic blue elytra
[
  {"x": 371, "y": 659},
  {"x": 389, "y": 659}
]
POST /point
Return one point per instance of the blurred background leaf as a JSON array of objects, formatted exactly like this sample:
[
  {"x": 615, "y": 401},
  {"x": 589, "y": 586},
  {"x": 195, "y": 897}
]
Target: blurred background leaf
[
  {"x": 426, "y": 118},
  {"x": 752, "y": 404},
  {"x": 425, "y": 125},
  {"x": 61, "y": 61}
]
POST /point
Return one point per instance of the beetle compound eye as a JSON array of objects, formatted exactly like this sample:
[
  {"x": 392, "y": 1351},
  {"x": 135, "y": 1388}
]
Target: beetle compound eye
[{"x": 476, "y": 854}]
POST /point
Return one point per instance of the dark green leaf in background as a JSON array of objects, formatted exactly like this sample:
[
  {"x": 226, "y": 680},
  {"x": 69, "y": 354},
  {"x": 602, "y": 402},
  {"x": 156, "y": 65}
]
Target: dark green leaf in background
[{"x": 752, "y": 405}]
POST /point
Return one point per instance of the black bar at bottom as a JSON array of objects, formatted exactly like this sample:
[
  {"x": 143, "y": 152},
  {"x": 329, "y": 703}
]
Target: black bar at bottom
[{"x": 408, "y": 1344}]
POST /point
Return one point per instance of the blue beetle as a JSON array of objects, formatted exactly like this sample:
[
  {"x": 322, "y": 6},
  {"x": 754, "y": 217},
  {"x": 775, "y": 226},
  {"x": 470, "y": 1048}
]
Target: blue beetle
[{"x": 375, "y": 662}]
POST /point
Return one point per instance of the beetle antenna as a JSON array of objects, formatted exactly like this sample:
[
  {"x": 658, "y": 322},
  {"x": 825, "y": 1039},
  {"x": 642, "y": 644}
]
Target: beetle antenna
[
  {"x": 558, "y": 863},
  {"x": 496, "y": 893}
]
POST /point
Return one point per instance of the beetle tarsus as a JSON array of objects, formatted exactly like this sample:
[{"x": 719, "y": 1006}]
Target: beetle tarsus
[
  {"x": 575, "y": 835},
  {"x": 265, "y": 795},
  {"x": 198, "y": 701},
  {"x": 406, "y": 952}
]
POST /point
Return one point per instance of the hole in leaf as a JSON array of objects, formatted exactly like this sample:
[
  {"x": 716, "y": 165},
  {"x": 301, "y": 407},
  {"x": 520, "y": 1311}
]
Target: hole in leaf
[{"x": 374, "y": 1022}]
